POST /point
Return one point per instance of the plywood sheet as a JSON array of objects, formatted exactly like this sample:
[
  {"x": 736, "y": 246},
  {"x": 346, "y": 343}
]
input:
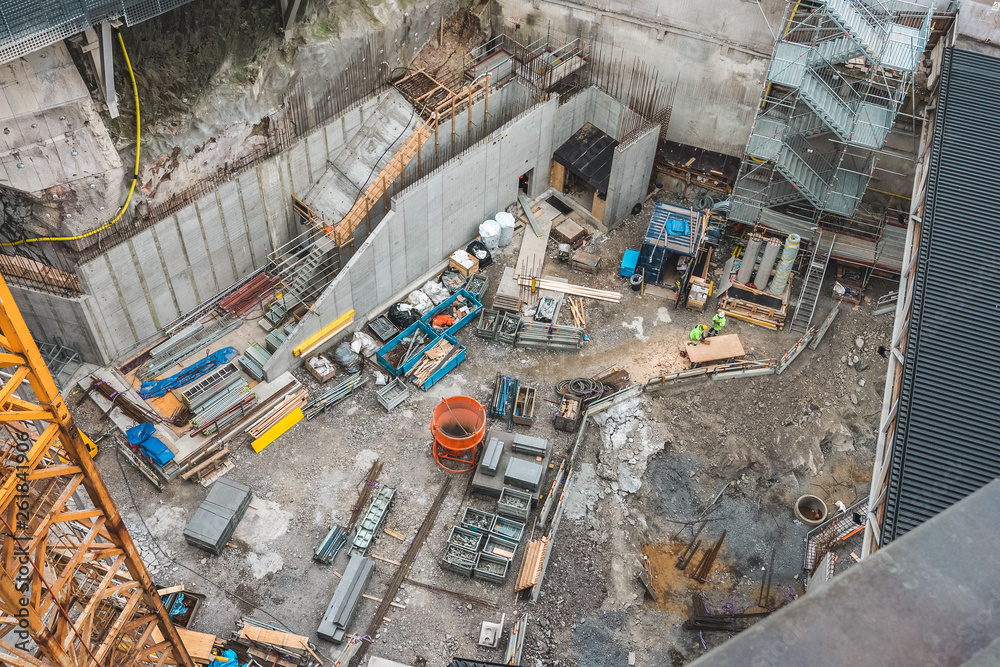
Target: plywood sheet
[{"x": 717, "y": 349}]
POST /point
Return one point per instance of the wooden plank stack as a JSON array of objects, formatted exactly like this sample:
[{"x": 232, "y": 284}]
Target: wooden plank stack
[
  {"x": 531, "y": 566},
  {"x": 585, "y": 262},
  {"x": 571, "y": 233},
  {"x": 568, "y": 288},
  {"x": 432, "y": 359},
  {"x": 282, "y": 409}
]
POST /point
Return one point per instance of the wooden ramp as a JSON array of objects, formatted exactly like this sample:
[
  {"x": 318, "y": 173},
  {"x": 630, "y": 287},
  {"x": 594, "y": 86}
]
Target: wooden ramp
[{"x": 344, "y": 230}]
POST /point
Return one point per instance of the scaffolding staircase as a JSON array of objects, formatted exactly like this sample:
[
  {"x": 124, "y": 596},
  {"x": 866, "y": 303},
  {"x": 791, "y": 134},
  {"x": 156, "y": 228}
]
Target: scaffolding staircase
[
  {"x": 812, "y": 284},
  {"x": 837, "y": 79}
]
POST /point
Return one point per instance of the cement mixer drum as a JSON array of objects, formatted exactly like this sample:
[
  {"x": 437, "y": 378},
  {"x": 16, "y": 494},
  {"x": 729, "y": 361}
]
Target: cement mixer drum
[{"x": 458, "y": 427}]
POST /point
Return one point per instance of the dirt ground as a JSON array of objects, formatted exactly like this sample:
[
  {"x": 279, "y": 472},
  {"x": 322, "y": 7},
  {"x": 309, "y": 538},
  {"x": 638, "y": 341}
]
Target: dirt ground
[
  {"x": 647, "y": 468},
  {"x": 444, "y": 60}
]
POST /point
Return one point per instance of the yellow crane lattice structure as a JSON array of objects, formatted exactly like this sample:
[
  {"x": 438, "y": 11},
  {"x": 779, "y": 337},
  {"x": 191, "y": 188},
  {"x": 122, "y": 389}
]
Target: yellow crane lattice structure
[{"x": 73, "y": 590}]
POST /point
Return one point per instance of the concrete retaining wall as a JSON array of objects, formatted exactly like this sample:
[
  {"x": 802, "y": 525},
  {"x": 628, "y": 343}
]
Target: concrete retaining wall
[
  {"x": 716, "y": 53},
  {"x": 430, "y": 219},
  {"x": 630, "y": 171},
  {"x": 49, "y": 317},
  {"x": 145, "y": 283}
]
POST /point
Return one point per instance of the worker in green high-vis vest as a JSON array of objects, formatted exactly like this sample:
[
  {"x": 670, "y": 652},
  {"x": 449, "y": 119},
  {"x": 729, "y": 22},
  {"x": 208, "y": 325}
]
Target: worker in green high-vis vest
[
  {"x": 698, "y": 333},
  {"x": 718, "y": 322}
]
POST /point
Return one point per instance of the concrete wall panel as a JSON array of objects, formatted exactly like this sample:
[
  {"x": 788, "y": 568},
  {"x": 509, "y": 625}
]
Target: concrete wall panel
[
  {"x": 49, "y": 317},
  {"x": 171, "y": 249},
  {"x": 235, "y": 226},
  {"x": 630, "y": 172},
  {"x": 252, "y": 204},
  {"x": 152, "y": 278},
  {"x": 197, "y": 251},
  {"x": 217, "y": 239}
]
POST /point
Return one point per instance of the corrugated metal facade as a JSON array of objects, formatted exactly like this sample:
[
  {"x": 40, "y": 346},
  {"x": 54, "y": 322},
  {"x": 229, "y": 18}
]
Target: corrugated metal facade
[
  {"x": 29, "y": 25},
  {"x": 947, "y": 442}
]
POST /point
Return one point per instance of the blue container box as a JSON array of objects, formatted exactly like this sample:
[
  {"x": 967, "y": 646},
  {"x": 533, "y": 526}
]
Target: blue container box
[
  {"x": 441, "y": 372},
  {"x": 629, "y": 262},
  {"x": 398, "y": 340},
  {"x": 454, "y": 328}
]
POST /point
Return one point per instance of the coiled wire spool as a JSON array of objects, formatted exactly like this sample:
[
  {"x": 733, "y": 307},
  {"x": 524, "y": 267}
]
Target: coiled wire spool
[{"x": 584, "y": 388}]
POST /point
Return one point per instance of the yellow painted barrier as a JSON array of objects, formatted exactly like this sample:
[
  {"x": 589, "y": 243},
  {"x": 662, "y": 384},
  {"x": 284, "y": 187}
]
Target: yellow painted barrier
[
  {"x": 271, "y": 434},
  {"x": 325, "y": 334}
]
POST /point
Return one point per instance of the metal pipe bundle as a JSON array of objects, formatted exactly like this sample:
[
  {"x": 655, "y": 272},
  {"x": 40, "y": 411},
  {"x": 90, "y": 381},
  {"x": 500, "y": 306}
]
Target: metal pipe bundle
[
  {"x": 771, "y": 250},
  {"x": 754, "y": 242},
  {"x": 502, "y": 395},
  {"x": 336, "y": 395},
  {"x": 535, "y": 334},
  {"x": 785, "y": 265}
]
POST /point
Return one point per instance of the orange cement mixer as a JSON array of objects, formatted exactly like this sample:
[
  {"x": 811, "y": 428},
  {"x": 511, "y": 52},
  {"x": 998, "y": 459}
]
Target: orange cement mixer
[{"x": 458, "y": 427}]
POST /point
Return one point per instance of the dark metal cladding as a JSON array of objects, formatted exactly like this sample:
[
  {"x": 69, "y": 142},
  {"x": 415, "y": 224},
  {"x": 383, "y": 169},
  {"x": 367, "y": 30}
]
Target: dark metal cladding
[{"x": 947, "y": 444}]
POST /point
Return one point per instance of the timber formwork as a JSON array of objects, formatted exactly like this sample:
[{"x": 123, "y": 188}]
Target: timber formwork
[{"x": 73, "y": 589}]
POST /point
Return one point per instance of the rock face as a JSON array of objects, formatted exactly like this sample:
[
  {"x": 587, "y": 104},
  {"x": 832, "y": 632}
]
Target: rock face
[
  {"x": 626, "y": 445},
  {"x": 55, "y": 150}
]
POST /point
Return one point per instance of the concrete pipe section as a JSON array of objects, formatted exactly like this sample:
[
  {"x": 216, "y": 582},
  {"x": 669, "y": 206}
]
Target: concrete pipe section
[
  {"x": 458, "y": 427},
  {"x": 810, "y": 510}
]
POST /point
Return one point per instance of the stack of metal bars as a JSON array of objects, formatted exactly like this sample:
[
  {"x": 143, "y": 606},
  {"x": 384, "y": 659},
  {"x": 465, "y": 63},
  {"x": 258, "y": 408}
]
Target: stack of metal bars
[
  {"x": 553, "y": 337},
  {"x": 324, "y": 402},
  {"x": 216, "y": 518},
  {"x": 175, "y": 354},
  {"x": 208, "y": 386},
  {"x": 345, "y": 600},
  {"x": 373, "y": 519},
  {"x": 237, "y": 393},
  {"x": 503, "y": 394},
  {"x": 327, "y": 549}
]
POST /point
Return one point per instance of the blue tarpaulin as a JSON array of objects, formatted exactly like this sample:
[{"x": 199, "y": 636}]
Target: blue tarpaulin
[
  {"x": 141, "y": 436},
  {"x": 179, "y": 606},
  {"x": 157, "y": 388}
]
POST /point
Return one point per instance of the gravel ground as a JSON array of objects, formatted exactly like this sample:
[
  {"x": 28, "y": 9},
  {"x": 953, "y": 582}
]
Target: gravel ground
[{"x": 648, "y": 467}]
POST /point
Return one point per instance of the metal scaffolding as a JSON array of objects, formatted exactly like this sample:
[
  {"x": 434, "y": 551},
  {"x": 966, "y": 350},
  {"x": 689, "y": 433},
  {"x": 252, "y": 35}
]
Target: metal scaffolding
[
  {"x": 73, "y": 588},
  {"x": 30, "y": 25},
  {"x": 840, "y": 74}
]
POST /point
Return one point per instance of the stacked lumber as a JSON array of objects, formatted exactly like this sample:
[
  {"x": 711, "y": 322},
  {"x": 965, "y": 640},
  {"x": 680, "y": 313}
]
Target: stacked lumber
[
  {"x": 282, "y": 409},
  {"x": 531, "y": 566},
  {"x": 585, "y": 262},
  {"x": 579, "y": 315},
  {"x": 433, "y": 358},
  {"x": 505, "y": 302},
  {"x": 569, "y": 232},
  {"x": 294, "y": 648},
  {"x": 568, "y": 288}
]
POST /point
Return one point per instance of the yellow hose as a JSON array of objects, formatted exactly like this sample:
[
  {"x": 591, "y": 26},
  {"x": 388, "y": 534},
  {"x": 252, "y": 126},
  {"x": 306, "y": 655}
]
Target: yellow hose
[{"x": 135, "y": 170}]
